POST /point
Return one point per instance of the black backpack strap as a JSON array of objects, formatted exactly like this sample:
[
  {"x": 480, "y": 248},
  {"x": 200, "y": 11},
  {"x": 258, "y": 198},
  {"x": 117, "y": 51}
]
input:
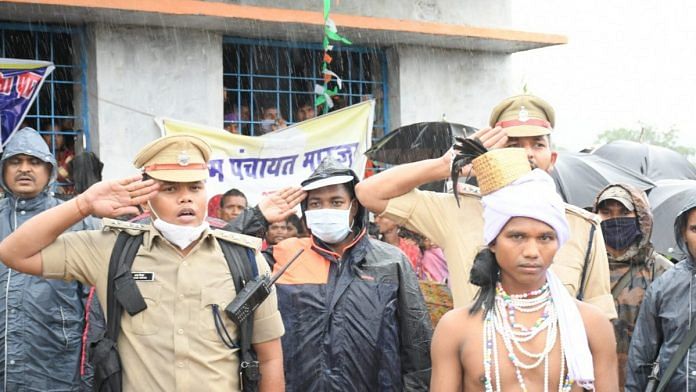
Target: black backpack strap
[
  {"x": 104, "y": 352},
  {"x": 125, "y": 289},
  {"x": 677, "y": 358},
  {"x": 235, "y": 256},
  {"x": 113, "y": 308},
  {"x": 242, "y": 272},
  {"x": 583, "y": 277},
  {"x": 122, "y": 293}
]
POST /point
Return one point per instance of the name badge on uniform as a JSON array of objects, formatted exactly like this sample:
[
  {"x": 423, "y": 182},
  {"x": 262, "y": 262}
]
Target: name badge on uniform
[{"x": 143, "y": 276}]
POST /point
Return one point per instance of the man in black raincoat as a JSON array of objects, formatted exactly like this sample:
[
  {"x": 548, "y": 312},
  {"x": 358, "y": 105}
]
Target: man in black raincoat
[
  {"x": 354, "y": 316},
  {"x": 41, "y": 321},
  {"x": 666, "y": 315}
]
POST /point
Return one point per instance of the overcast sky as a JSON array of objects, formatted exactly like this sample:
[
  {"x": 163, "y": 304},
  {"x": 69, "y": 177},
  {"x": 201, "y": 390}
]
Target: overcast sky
[{"x": 626, "y": 62}]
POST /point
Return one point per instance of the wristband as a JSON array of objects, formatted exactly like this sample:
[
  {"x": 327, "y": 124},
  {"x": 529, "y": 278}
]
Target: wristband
[{"x": 77, "y": 204}]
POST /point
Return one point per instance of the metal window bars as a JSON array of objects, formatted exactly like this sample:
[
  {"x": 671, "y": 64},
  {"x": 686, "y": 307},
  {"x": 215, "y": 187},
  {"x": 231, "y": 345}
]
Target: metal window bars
[{"x": 261, "y": 74}]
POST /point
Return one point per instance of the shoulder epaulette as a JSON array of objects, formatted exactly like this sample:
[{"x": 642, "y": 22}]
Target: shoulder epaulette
[
  {"x": 239, "y": 239},
  {"x": 131, "y": 227},
  {"x": 465, "y": 190},
  {"x": 583, "y": 213},
  {"x": 470, "y": 190}
]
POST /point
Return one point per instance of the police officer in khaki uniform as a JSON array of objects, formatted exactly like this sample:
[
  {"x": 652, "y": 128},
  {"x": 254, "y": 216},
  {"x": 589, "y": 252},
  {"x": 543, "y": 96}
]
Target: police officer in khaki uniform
[
  {"x": 522, "y": 121},
  {"x": 172, "y": 345}
]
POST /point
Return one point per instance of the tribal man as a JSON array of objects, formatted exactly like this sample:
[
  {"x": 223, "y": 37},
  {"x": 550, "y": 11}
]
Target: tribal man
[{"x": 524, "y": 332}]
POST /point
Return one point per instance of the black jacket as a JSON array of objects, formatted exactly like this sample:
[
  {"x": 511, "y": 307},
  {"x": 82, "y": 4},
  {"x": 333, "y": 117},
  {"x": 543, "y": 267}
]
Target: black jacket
[
  {"x": 666, "y": 315},
  {"x": 352, "y": 323},
  {"x": 356, "y": 322}
]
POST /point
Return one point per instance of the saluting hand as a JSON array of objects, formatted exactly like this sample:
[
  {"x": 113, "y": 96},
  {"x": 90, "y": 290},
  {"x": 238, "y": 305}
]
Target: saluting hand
[
  {"x": 491, "y": 138},
  {"x": 116, "y": 197},
  {"x": 280, "y": 205}
]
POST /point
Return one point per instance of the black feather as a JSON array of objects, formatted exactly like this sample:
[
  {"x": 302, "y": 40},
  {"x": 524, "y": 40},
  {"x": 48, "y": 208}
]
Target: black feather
[{"x": 466, "y": 150}]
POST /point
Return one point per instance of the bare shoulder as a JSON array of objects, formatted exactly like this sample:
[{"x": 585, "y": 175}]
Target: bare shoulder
[
  {"x": 454, "y": 339},
  {"x": 597, "y": 325},
  {"x": 602, "y": 342},
  {"x": 457, "y": 322},
  {"x": 460, "y": 317},
  {"x": 591, "y": 313}
]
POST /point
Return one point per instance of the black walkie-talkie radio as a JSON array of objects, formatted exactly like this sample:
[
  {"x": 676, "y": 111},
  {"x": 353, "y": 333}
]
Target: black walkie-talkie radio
[{"x": 254, "y": 293}]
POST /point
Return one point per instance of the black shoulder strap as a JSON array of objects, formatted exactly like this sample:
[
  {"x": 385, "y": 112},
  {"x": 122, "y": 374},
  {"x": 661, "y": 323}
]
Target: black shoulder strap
[
  {"x": 122, "y": 293},
  {"x": 241, "y": 274},
  {"x": 677, "y": 357},
  {"x": 583, "y": 277},
  {"x": 112, "y": 306}
]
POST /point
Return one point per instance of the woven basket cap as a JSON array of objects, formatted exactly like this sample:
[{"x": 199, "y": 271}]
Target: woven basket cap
[{"x": 498, "y": 168}]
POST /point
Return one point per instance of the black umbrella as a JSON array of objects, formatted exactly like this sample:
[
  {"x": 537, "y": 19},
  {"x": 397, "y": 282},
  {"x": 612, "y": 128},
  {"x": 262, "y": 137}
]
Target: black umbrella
[
  {"x": 666, "y": 200},
  {"x": 654, "y": 162},
  {"x": 580, "y": 177},
  {"x": 416, "y": 142}
]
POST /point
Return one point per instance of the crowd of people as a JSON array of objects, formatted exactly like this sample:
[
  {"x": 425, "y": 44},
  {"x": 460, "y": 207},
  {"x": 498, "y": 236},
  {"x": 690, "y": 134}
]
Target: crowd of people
[
  {"x": 269, "y": 118},
  {"x": 546, "y": 295}
]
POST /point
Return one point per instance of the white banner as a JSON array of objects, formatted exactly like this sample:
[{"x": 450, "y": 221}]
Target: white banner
[{"x": 261, "y": 165}]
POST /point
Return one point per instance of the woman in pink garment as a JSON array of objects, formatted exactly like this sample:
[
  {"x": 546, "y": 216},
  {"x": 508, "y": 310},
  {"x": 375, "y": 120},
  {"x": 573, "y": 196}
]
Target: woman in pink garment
[
  {"x": 433, "y": 264},
  {"x": 392, "y": 234}
]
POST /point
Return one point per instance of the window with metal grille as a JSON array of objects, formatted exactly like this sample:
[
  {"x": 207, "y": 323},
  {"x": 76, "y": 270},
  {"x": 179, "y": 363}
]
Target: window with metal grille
[
  {"x": 54, "y": 112},
  {"x": 270, "y": 84}
]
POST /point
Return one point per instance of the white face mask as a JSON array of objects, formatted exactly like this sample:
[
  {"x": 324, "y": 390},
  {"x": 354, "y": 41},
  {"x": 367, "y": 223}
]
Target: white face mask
[
  {"x": 267, "y": 125},
  {"x": 329, "y": 225},
  {"x": 181, "y": 236}
]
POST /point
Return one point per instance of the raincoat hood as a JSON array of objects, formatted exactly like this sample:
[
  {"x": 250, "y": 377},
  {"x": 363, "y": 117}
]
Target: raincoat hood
[
  {"x": 28, "y": 142},
  {"x": 329, "y": 169},
  {"x": 680, "y": 224},
  {"x": 42, "y": 321},
  {"x": 643, "y": 247}
]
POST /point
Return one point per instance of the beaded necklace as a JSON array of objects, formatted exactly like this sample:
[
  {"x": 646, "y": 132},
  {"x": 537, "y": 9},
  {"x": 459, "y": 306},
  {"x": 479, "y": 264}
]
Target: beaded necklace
[{"x": 501, "y": 320}]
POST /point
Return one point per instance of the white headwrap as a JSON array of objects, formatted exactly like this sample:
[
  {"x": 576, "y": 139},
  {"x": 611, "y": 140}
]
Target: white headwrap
[{"x": 532, "y": 196}]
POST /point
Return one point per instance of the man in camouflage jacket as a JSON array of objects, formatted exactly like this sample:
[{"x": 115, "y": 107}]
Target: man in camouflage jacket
[{"x": 633, "y": 263}]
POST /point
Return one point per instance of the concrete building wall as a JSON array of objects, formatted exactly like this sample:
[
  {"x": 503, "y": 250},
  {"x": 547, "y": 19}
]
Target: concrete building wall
[
  {"x": 138, "y": 72},
  {"x": 426, "y": 83},
  {"x": 470, "y": 12}
]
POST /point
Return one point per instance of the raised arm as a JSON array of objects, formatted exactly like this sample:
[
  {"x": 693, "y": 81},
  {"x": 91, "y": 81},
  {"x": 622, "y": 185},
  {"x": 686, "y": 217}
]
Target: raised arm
[
  {"x": 375, "y": 192},
  {"x": 272, "y": 208},
  {"x": 278, "y": 206},
  {"x": 21, "y": 250}
]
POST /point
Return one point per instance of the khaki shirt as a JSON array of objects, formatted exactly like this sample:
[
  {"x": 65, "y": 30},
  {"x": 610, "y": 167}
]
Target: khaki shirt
[
  {"x": 173, "y": 344},
  {"x": 459, "y": 232}
]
